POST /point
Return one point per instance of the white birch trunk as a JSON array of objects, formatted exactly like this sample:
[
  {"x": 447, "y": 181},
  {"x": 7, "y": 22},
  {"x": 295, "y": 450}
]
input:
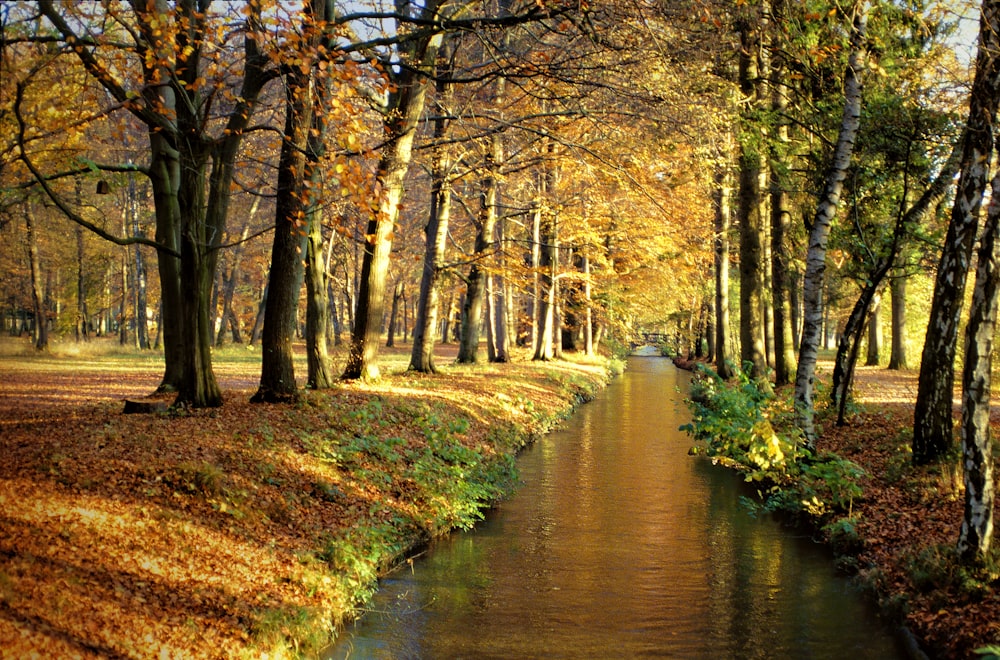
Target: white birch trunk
[{"x": 826, "y": 210}]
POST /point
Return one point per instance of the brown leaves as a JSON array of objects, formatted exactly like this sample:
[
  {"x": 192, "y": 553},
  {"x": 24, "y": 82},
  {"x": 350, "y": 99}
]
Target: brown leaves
[
  {"x": 906, "y": 510},
  {"x": 196, "y": 535}
]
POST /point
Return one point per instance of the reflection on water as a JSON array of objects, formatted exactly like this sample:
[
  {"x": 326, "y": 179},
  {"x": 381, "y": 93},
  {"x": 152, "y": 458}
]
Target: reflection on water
[{"x": 620, "y": 545}]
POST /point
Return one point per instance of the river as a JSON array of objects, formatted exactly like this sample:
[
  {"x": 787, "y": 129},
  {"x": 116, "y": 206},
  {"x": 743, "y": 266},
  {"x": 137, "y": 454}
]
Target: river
[{"x": 620, "y": 545}]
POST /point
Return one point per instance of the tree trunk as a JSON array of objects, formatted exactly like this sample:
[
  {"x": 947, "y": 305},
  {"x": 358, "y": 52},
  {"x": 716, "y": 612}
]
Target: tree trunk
[
  {"x": 277, "y": 374},
  {"x": 546, "y": 319},
  {"x": 83, "y": 315},
  {"x": 41, "y": 334},
  {"x": 229, "y": 288},
  {"x": 850, "y": 339},
  {"x": 977, "y": 444},
  {"x": 588, "y": 327},
  {"x": 536, "y": 259},
  {"x": 784, "y": 342},
  {"x": 933, "y": 424},
  {"x": 317, "y": 312},
  {"x": 317, "y": 259},
  {"x": 258, "y": 322},
  {"x": 435, "y": 245},
  {"x": 820, "y": 230},
  {"x": 405, "y": 108},
  {"x": 897, "y": 357},
  {"x": 751, "y": 226},
  {"x": 123, "y": 331},
  {"x": 874, "y": 336},
  {"x": 486, "y": 226},
  {"x": 397, "y": 296},
  {"x": 723, "y": 356}
]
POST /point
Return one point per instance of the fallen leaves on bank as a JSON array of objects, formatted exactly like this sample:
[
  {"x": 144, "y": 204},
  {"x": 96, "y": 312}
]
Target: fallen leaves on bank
[
  {"x": 236, "y": 531},
  {"x": 909, "y": 521}
]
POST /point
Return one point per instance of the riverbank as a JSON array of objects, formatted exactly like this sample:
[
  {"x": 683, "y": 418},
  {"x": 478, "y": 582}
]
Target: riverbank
[
  {"x": 898, "y": 533},
  {"x": 248, "y": 530}
]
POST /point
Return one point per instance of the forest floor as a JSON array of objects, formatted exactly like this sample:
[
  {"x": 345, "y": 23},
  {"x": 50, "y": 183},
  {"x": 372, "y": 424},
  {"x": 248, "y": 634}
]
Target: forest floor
[
  {"x": 909, "y": 520},
  {"x": 232, "y": 532},
  {"x": 249, "y": 530}
]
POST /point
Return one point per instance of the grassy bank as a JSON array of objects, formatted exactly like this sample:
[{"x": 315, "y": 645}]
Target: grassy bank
[{"x": 244, "y": 530}]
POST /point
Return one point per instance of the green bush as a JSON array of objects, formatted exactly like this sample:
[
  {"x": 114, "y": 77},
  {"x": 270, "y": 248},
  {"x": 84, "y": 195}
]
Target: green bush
[{"x": 743, "y": 424}]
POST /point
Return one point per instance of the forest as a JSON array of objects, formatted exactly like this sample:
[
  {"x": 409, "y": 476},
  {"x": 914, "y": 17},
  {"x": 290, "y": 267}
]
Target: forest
[{"x": 759, "y": 184}]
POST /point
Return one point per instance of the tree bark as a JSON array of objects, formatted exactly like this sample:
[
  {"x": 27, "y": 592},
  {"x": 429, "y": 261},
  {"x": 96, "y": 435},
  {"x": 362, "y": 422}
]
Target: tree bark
[
  {"x": 753, "y": 352},
  {"x": 874, "y": 355},
  {"x": 820, "y": 230},
  {"x": 401, "y": 119},
  {"x": 784, "y": 342},
  {"x": 229, "y": 284},
  {"x": 933, "y": 423},
  {"x": 291, "y": 234},
  {"x": 41, "y": 334},
  {"x": 484, "y": 246},
  {"x": 397, "y": 297},
  {"x": 723, "y": 356},
  {"x": 435, "y": 245},
  {"x": 83, "y": 315},
  {"x": 897, "y": 351},
  {"x": 976, "y": 533}
]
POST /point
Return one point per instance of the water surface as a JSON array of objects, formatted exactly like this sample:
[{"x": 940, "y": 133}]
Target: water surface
[{"x": 620, "y": 545}]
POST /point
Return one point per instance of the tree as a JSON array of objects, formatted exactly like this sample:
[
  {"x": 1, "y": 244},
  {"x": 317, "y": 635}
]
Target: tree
[
  {"x": 977, "y": 445},
  {"x": 932, "y": 423},
  {"x": 723, "y": 359},
  {"x": 180, "y": 65},
  {"x": 298, "y": 232},
  {"x": 435, "y": 234},
  {"x": 784, "y": 349},
  {"x": 751, "y": 224},
  {"x": 820, "y": 229}
]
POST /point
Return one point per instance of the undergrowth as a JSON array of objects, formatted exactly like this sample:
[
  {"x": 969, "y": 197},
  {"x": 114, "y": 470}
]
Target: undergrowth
[{"x": 744, "y": 426}]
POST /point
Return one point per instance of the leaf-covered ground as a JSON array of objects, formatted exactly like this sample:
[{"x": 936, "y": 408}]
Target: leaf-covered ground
[
  {"x": 250, "y": 528},
  {"x": 909, "y": 521},
  {"x": 242, "y": 530}
]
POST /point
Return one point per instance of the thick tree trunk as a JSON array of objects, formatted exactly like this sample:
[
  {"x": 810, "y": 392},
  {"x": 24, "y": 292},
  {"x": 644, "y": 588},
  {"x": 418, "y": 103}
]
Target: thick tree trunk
[
  {"x": 277, "y": 374},
  {"x": 784, "y": 342},
  {"x": 435, "y": 245},
  {"x": 977, "y": 444},
  {"x": 933, "y": 424},
  {"x": 164, "y": 173},
  {"x": 405, "y": 107},
  {"x": 723, "y": 356},
  {"x": 751, "y": 226},
  {"x": 820, "y": 231}
]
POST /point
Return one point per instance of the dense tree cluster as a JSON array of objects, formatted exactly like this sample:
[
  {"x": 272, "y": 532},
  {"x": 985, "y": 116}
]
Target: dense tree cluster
[{"x": 550, "y": 175}]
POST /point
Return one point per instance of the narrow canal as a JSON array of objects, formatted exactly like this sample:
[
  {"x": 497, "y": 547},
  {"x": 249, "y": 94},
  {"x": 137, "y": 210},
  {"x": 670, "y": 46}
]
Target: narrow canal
[{"x": 620, "y": 545}]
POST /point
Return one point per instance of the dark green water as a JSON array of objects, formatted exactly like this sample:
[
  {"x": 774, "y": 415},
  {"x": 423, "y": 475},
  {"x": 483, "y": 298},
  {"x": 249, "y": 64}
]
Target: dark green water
[{"x": 620, "y": 545}]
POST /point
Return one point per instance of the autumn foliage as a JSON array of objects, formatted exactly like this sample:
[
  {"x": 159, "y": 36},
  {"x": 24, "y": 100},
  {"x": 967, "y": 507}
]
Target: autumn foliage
[{"x": 245, "y": 529}]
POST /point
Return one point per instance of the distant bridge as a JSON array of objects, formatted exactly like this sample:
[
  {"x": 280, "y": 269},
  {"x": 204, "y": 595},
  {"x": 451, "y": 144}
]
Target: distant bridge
[{"x": 654, "y": 338}]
